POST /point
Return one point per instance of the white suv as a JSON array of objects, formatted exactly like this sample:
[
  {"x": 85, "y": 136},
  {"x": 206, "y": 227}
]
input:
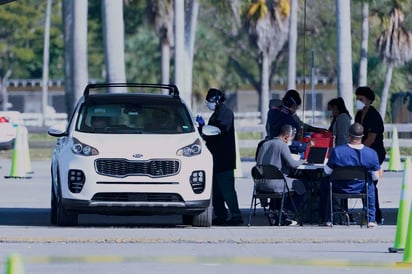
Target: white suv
[{"x": 128, "y": 150}]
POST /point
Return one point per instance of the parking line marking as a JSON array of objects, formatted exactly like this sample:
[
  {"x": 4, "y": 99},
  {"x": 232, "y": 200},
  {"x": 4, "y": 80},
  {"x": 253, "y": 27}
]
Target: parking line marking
[{"x": 211, "y": 260}]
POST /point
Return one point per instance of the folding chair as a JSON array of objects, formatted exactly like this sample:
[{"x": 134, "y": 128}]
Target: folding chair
[
  {"x": 269, "y": 172},
  {"x": 348, "y": 173}
]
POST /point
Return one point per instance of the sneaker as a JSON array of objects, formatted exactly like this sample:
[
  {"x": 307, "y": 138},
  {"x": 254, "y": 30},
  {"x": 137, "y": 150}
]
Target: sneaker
[
  {"x": 234, "y": 221},
  {"x": 326, "y": 224},
  {"x": 288, "y": 221},
  {"x": 372, "y": 225}
]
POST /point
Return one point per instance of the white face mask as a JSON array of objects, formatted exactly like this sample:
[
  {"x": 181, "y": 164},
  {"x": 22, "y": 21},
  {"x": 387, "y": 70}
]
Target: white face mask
[
  {"x": 289, "y": 142},
  {"x": 211, "y": 106},
  {"x": 359, "y": 105}
]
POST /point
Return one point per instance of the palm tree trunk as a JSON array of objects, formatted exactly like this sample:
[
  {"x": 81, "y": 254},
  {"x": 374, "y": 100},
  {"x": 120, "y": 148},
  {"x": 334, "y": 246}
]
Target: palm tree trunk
[
  {"x": 113, "y": 33},
  {"x": 385, "y": 90},
  {"x": 45, "y": 76},
  {"x": 68, "y": 53},
  {"x": 4, "y": 93},
  {"x": 344, "y": 42},
  {"x": 293, "y": 37},
  {"x": 265, "y": 87},
  {"x": 80, "y": 71},
  {"x": 363, "y": 62},
  {"x": 179, "y": 46},
  {"x": 165, "y": 61}
]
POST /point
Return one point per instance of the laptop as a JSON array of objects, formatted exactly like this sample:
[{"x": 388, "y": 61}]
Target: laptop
[{"x": 317, "y": 155}]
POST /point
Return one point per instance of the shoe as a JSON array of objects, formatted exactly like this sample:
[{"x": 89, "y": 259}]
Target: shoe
[
  {"x": 372, "y": 225},
  {"x": 326, "y": 224},
  {"x": 289, "y": 222},
  {"x": 234, "y": 221},
  {"x": 272, "y": 218},
  {"x": 218, "y": 222},
  {"x": 286, "y": 221}
]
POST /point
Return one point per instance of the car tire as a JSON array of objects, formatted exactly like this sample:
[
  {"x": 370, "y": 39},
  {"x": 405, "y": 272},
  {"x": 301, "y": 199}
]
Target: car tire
[
  {"x": 203, "y": 219},
  {"x": 65, "y": 217},
  {"x": 53, "y": 207},
  {"x": 187, "y": 219}
]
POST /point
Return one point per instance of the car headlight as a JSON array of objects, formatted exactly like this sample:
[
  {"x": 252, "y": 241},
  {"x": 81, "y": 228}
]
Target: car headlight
[
  {"x": 191, "y": 150},
  {"x": 82, "y": 149}
]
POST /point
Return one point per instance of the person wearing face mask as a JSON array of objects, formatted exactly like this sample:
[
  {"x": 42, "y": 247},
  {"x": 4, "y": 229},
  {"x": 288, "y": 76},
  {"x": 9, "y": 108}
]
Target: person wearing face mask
[
  {"x": 372, "y": 123},
  {"x": 222, "y": 147},
  {"x": 341, "y": 120},
  {"x": 284, "y": 114},
  {"x": 276, "y": 152}
]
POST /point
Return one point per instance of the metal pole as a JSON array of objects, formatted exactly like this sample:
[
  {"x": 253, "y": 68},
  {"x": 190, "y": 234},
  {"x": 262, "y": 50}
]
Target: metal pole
[{"x": 313, "y": 87}]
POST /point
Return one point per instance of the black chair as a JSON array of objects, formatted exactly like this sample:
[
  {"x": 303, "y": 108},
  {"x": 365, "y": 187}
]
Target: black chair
[
  {"x": 269, "y": 172},
  {"x": 348, "y": 173}
]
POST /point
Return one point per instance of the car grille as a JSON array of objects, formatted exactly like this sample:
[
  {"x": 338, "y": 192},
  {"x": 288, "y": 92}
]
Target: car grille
[
  {"x": 124, "y": 168},
  {"x": 136, "y": 197}
]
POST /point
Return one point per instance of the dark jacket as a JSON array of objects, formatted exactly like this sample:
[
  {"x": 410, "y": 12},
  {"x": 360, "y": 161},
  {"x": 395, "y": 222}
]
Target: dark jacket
[
  {"x": 373, "y": 123},
  {"x": 222, "y": 146}
]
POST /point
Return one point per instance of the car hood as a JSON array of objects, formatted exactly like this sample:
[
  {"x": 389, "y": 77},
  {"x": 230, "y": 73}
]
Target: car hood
[{"x": 143, "y": 146}]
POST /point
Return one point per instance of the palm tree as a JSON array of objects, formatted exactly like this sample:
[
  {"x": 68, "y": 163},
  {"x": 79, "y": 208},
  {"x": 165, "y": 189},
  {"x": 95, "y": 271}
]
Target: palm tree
[
  {"x": 163, "y": 21},
  {"x": 395, "y": 48},
  {"x": 293, "y": 37},
  {"x": 185, "y": 25},
  {"x": 363, "y": 60},
  {"x": 344, "y": 50},
  {"x": 75, "y": 52},
  {"x": 113, "y": 33},
  {"x": 45, "y": 76},
  {"x": 268, "y": 23}
]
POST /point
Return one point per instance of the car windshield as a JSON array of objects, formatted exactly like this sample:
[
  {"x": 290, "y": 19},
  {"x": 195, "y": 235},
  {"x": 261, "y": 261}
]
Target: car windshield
[{"x": 129, "y": 118}]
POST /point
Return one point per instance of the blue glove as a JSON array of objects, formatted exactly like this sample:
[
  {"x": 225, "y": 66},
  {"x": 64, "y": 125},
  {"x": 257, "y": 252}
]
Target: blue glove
[{"x": 200, "y": 121}]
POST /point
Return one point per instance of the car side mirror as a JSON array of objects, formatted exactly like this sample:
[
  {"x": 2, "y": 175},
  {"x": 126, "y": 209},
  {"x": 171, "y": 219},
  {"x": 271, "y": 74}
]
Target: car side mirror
[
  {"x": 209, "y": 130},
  {"x": 57, "y": 130}
]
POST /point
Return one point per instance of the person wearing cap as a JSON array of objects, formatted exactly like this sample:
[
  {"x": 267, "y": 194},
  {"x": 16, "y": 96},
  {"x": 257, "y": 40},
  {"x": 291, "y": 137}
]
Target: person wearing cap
[
  {"x": 285, "y": 113},
  {"x": 222, "y": 147},
  {"x": 372, "y": 123},
  {"x": 353, "y": 153}
]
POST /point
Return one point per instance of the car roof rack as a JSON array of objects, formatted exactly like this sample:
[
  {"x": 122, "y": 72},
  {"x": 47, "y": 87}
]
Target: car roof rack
[{"x": 172, "y": 88}]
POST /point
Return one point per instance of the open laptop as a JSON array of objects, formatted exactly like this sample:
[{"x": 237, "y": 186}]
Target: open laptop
[{"x": 317, "y": 155}]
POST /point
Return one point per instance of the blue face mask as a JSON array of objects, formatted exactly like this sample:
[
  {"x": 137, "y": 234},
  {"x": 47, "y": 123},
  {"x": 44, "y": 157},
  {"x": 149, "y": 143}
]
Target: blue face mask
[
  {"x": 211, "y": 105},
  {"x": 359, "y": 105}
]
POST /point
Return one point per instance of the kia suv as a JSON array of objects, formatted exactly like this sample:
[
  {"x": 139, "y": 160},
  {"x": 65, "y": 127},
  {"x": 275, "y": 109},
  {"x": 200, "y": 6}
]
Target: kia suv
[{"x": 130, "y": 149}]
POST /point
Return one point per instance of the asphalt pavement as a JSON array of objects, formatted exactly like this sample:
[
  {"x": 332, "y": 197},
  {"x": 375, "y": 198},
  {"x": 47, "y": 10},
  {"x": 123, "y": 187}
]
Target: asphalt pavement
[{"x": 25, "y": 227}]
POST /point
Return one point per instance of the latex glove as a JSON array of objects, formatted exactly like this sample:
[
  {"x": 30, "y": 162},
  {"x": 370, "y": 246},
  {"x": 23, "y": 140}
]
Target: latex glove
[{"x": 200, "y": 121}]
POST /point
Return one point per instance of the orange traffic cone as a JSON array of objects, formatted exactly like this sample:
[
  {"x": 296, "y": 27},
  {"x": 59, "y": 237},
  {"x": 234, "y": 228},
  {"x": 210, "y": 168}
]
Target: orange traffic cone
[{"x": 404, "y": 207}]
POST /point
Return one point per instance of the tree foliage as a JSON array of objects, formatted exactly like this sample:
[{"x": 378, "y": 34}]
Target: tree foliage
[{"x": 223, "y": 55}]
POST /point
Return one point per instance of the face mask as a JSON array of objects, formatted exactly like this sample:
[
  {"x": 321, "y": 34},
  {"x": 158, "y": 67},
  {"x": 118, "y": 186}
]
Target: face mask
[
  {"x": 289, "y": 142},
  {"x": 359, "y": 105},
  {"x": 211, "y": 105}
]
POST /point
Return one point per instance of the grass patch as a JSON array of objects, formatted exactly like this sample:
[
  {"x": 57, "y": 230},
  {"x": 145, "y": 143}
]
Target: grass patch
[{"x": 35, "y": 153}]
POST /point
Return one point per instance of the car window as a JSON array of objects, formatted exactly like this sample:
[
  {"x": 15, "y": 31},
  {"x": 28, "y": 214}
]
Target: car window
[{"x": 128, "y": 118}]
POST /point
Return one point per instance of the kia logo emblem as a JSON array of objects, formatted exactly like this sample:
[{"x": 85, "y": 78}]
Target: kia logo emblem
[{"x": 137, "y": 155}]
